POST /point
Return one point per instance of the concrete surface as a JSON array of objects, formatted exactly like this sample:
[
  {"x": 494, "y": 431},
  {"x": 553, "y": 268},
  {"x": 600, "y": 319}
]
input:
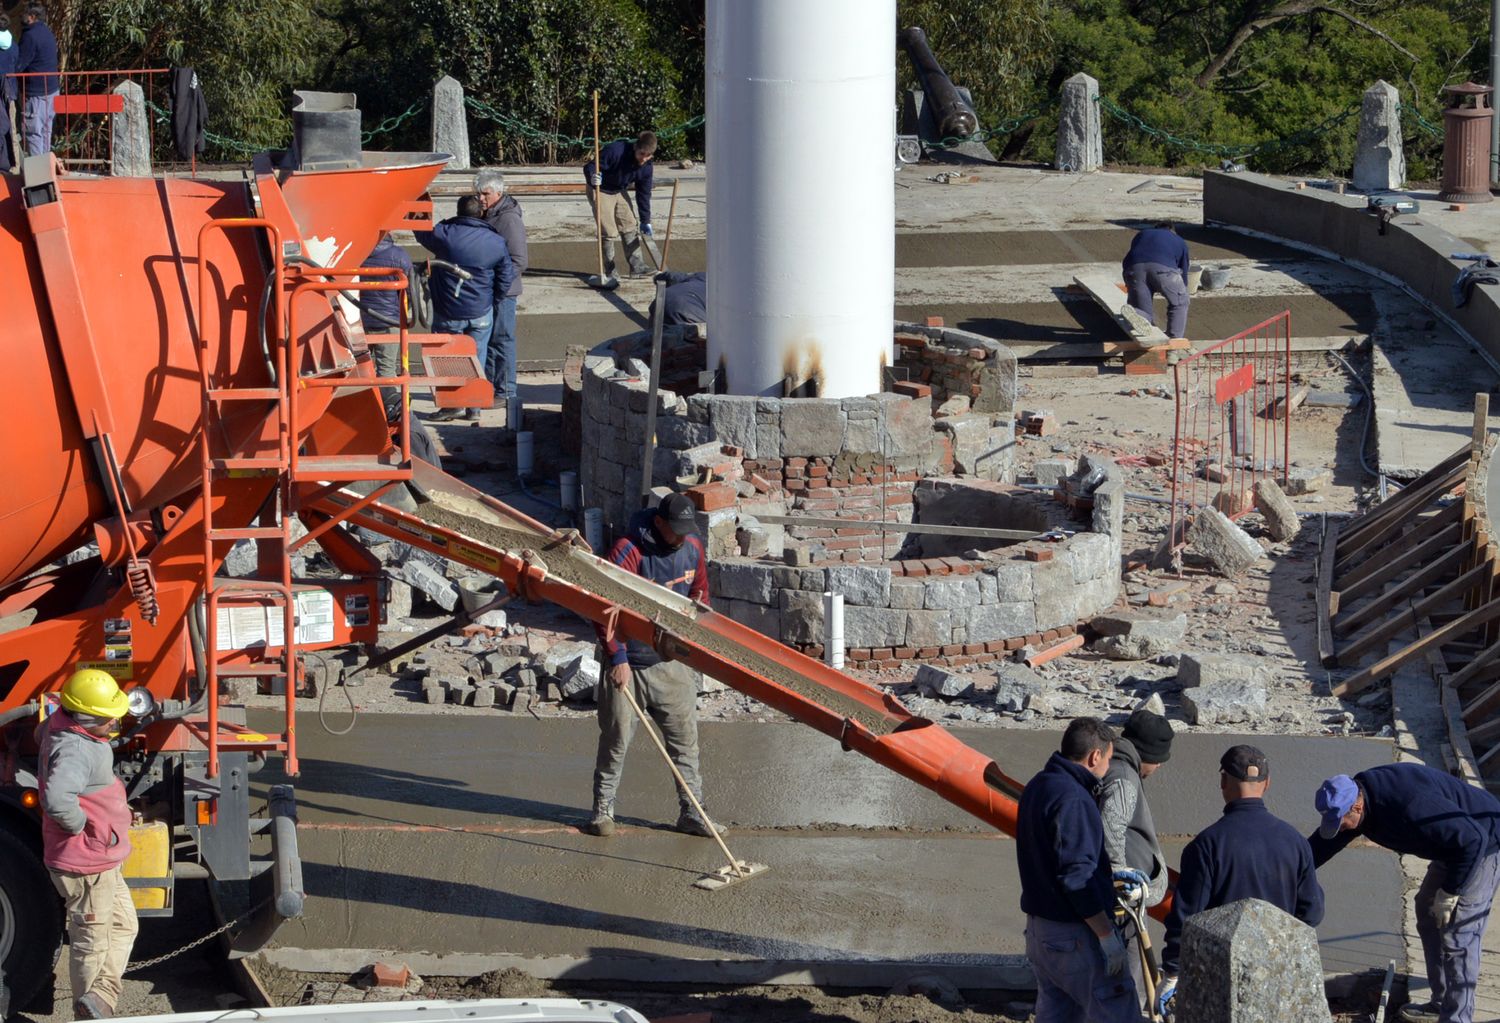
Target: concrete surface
[{"x": 457, "y": 835}]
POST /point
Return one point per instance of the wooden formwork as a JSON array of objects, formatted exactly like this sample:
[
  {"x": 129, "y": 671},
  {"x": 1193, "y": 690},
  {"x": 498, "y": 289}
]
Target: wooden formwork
[{"x": 1415, "y": 579}]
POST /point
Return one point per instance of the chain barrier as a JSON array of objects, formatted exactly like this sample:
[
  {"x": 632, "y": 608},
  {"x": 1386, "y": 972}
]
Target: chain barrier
[
  {"x": 1424, "y": 126},
  {"x": 537, "y": 136},
  {"x": 210, "y": 936},
  {"x": 390, "y": 124},
  {"x": 1219, "y": 150},
  {"x": 1009, "y": 126}
]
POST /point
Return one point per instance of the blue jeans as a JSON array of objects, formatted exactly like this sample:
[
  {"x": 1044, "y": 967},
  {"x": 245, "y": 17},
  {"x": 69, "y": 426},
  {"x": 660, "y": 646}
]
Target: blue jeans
[
  {"x": 500, "y": 367},
  {"x": 479, "y": 329},
  {"x": 1453, "y": 953},
  {"x": 1071, "y": 983},
  {"x": 37, "y": 124}
]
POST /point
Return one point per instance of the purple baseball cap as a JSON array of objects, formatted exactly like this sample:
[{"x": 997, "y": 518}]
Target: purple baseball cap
[{"x": 1334, "y": 799}]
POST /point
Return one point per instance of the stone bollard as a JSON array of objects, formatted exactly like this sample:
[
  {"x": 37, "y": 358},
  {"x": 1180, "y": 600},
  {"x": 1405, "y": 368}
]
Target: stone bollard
[
  {"x": 1249, "y": 962},
  {"x": 450, "y": 122},
  {"x": 1379, "y": 160},
  {"x": 130, "y": 135},
  {"x": 1080, "y": 140}
]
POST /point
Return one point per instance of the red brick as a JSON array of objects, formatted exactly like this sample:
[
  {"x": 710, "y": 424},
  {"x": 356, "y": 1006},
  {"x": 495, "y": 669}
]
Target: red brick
[
  {"x": 760, "y": 483},
  {"x": 973, "y": 648},
  {"x": 859, "y": 653},
  {"x": 1050, "y": 636},
  {"x": 817, "y": 484},
  {"x": 814, "y": 650},
  {"x": 928, "y": 652},
  {"x": 978, "y": 353},
  {"x": 1152, "y": 362},
  {"x": 732, "y": 451},
  {"x": 911, "y": 389},
  {"x": 796, "y": 485},
  {"x": 1015, "y": 643},
  {"x": 1039, "y": 554},
  {"x": 956, "y": 564},
  {"x": 914, "y": 568},
  {"x": 389, "y": 975},
  {"x": 959, "y": 662},
  {"x": 1066, "y": 630},
  {"x": 934, "y": 321},
  {"x": 905, "y": 653},
  {"x": 712, "y": 496},
  {"x": 796, "y": 463},
  {"x": 994, "y": 646},
  {"x": 770, "y": 463},
  {"x": 953, "y": 648},
  {"x": 882, "y": 653},
  {"x": 817, "y": 471},
  {"x": 794, "y": 474},
  {"x": 936, "y": 566}
]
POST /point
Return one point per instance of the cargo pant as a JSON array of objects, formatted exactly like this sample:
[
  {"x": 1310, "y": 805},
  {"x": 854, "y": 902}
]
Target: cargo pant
[
  {"x": 101, "y": 930},
  {"x": 39, "y": 112},
  {"x": 1142, "y": 280},
  {"x": 669, "y": 693},
  {"x": 618, "y": 223},
  {"x": 1071, "y": 983},
  {"x": 1453, "y": 954}
]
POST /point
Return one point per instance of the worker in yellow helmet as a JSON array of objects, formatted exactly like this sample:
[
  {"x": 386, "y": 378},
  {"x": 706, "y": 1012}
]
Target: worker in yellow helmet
[{"x": 86, "y": 837}]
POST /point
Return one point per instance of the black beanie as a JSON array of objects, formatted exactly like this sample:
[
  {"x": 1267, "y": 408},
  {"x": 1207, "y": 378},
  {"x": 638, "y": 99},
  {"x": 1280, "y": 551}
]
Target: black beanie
[{"x": 1151, "y": 735}]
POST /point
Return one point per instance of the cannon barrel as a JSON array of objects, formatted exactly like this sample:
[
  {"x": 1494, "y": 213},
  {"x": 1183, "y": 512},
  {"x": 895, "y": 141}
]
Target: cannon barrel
[{"x": 953, "y": 115}]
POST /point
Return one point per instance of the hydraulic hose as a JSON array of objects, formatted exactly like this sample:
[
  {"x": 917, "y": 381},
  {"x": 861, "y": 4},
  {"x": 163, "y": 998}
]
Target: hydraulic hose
[{"x": 17, "y": 713}]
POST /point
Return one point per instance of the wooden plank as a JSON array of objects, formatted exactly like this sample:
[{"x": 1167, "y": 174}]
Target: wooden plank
[
  {"x": 1410, "y": 587},
  {"x": 1481, "y": 425},
  {"x": 1035, "y": 351},
  {"x": 1372, "y": 539},
  {"x": 1427, "y": 539},
  {"x": 1390, "y": 663},
  {"x": 1105, "y": 291},
  {"x": 1397, "y": 624},
  {"x": 1486, "y": 702},
  {"x": 1414, "y": 495},
  {"x": 1326, "y": 607}
]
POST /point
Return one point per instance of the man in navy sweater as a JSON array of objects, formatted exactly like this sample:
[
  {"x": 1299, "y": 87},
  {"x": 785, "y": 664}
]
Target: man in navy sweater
[
  {"x": 658, "y": 545},
  {"x": 1246, "y": 854},
  {"x": 467, "y": 306},
  {"x": 1416, "y": 811},
  {"x": 1066, "y": 890},
  {"x": 621, "y": 166},
  {"x": 38, "y": 61},
  {"x": 685, "y": 301},
  {"x": 1158, "y": 264}
]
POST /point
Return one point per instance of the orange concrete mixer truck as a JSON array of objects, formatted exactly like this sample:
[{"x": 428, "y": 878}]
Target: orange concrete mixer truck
[{"x": 186, "y": 370}]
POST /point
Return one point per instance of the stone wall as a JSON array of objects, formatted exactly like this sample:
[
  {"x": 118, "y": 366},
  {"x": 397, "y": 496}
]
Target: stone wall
[{"x": 956, "y": 363}]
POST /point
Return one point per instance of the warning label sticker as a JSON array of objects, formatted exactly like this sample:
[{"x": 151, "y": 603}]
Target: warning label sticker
[{"x": 239, "y": 628}]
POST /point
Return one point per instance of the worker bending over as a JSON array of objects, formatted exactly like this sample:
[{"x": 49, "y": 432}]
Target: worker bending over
[
  {"x": 685, "y": 301},
  {"x": 1416, "y": 811},
  {"x": 1136, "y": 862},
  {"x": 1246, "y": 854},
  {"x": 622, "y": 165},
  {"x": 86, "y": 836},
  {"x": 1066, "y": 891},
  {"x": 658, "y": 545},
  {"x": 1158, "y": 264}
]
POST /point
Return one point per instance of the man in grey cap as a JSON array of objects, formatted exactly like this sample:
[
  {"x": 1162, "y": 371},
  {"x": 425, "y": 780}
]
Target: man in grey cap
[{"x": 658, "y": 545}]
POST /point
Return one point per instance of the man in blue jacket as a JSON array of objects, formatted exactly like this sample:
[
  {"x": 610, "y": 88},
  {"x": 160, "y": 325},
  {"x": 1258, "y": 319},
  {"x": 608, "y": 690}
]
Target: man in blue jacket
[
  {"x": 381, "y": 312},
  {"x": 685, "y": 301},
  {"x": 37, "y": 57},
  {"x": 622, "y": 165},
  {"x": 1158, "y": 264},
  {"x": 1066, "y": 891},
  {"x": 1416, "y": 811},
  {"x": 467, "y": 306},
  {"x": 1246, "y": 854}
]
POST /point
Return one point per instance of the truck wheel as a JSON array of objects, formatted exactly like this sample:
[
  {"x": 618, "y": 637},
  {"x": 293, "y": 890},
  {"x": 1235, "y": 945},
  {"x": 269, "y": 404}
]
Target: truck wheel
[{"x": 30, "y": 921}]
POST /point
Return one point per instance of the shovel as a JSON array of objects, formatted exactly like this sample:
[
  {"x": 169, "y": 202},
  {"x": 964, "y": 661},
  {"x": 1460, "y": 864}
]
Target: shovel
[{"x": 602, "y": 282}]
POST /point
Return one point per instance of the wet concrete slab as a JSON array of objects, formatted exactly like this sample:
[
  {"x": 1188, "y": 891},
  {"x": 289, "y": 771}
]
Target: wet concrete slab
[{"x": 455, "y": 835}]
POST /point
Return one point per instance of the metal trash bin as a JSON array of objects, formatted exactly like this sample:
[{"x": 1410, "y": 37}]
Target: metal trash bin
[{"x": 1466, "y": 143}]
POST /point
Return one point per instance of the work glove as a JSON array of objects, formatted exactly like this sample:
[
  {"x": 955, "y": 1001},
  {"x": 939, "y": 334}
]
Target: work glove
[
  {"x": 1115, "y": 953},
  {"x": 646, "y": 230},
  {"x": 597, "y": 180},
  {"x": 1444, "y": 908},
  {"x": 1166, "y": 999}
]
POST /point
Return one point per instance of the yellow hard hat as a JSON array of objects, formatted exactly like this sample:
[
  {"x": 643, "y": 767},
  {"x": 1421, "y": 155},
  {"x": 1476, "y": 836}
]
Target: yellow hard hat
[{"x": 95, "y": 692}]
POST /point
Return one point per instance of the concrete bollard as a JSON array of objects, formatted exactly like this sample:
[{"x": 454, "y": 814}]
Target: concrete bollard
[
  {"x": 130, "y": 135},
  {"x": 1379, "y": 160},
  {"x": 1248, "y": 962},
  {"x": 450, "y": 122},
  {"x": 1080, "y": 138}
]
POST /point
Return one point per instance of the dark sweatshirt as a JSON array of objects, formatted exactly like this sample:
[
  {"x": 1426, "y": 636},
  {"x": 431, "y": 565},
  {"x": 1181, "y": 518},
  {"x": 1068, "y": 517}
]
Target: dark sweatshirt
[
  {"x": 1065, "y": 875},
  {"x": 505, "y": 217},
  {"x": 38, "y": 53},
  {"x": 619, "y": 170},
  {"x": 1160, "y": 246},
  {"x": 685, "y": 300}
]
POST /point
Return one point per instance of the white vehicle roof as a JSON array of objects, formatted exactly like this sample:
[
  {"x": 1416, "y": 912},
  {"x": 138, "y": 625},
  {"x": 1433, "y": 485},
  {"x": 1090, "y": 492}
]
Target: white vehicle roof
[{"x": 482, "y": 1010}]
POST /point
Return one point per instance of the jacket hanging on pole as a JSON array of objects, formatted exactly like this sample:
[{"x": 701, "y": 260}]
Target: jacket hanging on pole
[{"x": 189, "y": 113}]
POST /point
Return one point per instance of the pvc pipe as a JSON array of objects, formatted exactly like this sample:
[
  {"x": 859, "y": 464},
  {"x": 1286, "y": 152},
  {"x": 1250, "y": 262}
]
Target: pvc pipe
[
  {"x": 515, "y": 411},
  {"x": 801, "y": 259},
  {"x": 523, "y": 453},
  {"x": 833, "y": 629},
  {"x": 593, "y": 529},
  {"x": 567, "y": 485}
]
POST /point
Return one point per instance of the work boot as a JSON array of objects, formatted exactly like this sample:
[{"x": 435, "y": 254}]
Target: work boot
[
  {"x": 1139, "y": 322},
  {"x": 609, "y": 257},
  {"x": 638, "y": 267},
  {"x": 1427, "y": 1012},
  {"x": 91, "y": 1006},
  {"x": 602, "y": 823},
  {"x": 691, "y": 822}
]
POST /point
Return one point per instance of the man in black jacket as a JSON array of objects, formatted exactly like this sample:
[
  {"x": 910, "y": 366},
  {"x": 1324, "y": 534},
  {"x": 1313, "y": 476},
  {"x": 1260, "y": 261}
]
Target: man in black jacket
[
  {"x": 1066, "y": 892},
  {"x": 685, "y": 301},
  {"x": 1417, "y": 811},
  {"x": 503, "y": 213},
  {"x": 38, "y": 62}
]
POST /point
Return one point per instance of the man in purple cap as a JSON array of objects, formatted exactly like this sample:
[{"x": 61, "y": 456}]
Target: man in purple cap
[
  {"x": 1248, "y": 853},
  {"x": 1416, "y": 811}
]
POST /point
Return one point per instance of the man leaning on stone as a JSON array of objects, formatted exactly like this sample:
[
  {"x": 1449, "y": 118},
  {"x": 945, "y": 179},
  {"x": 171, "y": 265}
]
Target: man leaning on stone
[
  {"x": 1066, "y": 891},
  {"x": 1248, "y": 853}
]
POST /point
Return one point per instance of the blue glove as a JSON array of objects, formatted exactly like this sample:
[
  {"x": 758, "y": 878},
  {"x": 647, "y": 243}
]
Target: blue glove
[
  {"x": 646, "y": 230},
  {"x": 1132, "y": 877},
  {"x": 1166, "y": 994}
]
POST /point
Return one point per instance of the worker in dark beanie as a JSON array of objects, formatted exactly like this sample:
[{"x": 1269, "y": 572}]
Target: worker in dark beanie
[
  {"x": 1136, "y": 862},
  {"x": 1246, "y": 854}
]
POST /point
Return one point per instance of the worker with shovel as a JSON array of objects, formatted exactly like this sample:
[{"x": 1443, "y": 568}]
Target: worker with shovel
[
  {"x": 620, "y": 166},
  {"x": 1418, "y": 811},
  {"x": 658, "y": 545},
  {"x": 1248, "y": 853}
]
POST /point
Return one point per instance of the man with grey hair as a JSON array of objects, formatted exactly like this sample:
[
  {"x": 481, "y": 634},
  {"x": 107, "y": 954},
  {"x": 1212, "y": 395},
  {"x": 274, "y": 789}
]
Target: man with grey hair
[{"x": 503, "y": 213}]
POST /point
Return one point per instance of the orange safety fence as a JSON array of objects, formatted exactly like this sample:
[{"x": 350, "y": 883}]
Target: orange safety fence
[{"x": 82, "y": 107}]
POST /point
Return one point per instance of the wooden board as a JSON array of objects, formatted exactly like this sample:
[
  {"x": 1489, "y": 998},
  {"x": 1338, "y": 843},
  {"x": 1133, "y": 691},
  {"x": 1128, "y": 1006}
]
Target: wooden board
[{"x": 1104, "y": 290}]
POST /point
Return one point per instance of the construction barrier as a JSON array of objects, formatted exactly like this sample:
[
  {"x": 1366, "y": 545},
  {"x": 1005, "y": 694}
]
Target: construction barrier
[{"x": 82, "y": 108}]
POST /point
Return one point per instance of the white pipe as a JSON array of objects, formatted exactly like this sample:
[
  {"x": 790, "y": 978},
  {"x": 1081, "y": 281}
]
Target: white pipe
[
  {"x": 801, "y": 253},
  {"x": 524, "y": 461},
  {"x": 593, "y": 529},
  {"x": 567, "y": 483},
  {"x": 833, "y": 629}
]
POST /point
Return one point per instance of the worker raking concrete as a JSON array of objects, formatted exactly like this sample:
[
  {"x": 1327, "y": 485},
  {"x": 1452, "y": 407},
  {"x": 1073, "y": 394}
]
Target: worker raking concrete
[
  {"x": 623, "y": 165},
  {"x": 1158, "y": 264},
  {"x": 86, "y": 836},
  {"x": 1066, "y": 890},
  {"x": 1248, "y": 853},
  {"x": 658, "y": 545},
  {"x": 1417, "y": 811}
]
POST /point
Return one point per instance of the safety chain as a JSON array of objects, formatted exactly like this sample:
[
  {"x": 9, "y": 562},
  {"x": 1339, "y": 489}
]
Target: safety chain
[
  {"x": 1119, "y": 113},
  {"x": 210, "y": 936},
  {"x": 1009, "y": 126},
  {"x": 222, "y": 141},
  {"x": 392, "y": 123},
  {"x": 1423, "y": 124},
  {"x": 536, "y": 136}
]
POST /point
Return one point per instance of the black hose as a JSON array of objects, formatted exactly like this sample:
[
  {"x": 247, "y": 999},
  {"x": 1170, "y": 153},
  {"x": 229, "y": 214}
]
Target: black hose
[{"x": 17, "y": 713}]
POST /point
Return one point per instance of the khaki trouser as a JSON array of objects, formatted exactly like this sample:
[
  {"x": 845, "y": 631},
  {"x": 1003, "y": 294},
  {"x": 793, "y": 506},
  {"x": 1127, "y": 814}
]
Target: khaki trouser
[
  {"x": 616, "y": 218},
  {"x": 669, "y": 693},
  {"x": 101, "y": 931}
]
